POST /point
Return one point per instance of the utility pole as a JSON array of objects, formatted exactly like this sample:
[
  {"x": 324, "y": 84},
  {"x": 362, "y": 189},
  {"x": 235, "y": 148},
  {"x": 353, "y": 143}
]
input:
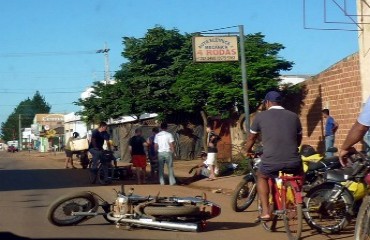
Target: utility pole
[
  {"x": 19, "y": 132},
  {"x": 106, "y": 65},
  {"x": 244, "y": 78}
]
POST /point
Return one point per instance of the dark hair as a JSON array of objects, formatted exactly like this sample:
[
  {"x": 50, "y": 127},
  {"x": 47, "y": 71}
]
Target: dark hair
[
  {"x": 326, "y": 111},
  {"x": 155, "y": 130},
  {"x": 138, "y": 130},
  {"x": 164, "y": 125},
  {"x": 103, "y": 124}
]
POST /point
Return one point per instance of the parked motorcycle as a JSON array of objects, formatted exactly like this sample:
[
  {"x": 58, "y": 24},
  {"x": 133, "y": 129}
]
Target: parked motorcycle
[
  {"x": 315, "y": 166},
  {"x": 155, "y": 212},
  {"x": 332, "y": 204}
]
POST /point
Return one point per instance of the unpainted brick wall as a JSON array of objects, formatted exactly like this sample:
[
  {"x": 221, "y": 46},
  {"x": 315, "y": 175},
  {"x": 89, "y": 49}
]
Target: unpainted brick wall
[{"x": 338, "y": 88}]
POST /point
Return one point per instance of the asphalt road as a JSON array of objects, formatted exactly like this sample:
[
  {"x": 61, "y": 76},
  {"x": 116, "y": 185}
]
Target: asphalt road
[{"x": 30, "y": 183}]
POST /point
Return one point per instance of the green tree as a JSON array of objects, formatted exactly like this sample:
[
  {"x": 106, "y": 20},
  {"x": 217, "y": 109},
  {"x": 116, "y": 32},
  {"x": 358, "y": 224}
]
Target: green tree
[
  {"x": 216, "y": 88},
  {"x": 26, "y": 111},
  {"x": 161, "y": 77}
]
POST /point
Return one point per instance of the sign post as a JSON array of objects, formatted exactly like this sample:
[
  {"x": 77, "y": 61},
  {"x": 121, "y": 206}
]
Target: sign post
[{"x": 224, "y": 49}]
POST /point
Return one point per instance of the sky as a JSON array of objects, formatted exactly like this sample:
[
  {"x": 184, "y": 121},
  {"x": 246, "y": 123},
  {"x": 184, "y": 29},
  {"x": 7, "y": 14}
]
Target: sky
[{"x": 50, "y": 45}]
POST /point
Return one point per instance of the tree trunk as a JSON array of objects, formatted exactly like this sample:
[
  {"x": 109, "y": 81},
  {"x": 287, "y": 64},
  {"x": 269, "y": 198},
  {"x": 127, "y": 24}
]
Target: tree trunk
[{"x": 204, "y": 118}]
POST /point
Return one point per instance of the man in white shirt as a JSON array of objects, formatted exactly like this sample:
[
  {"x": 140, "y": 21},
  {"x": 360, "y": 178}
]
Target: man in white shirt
[{"x": 164, "y": 145}]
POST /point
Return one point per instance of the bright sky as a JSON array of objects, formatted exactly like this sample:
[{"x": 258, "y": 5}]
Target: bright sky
[{"x": 50, "y": 45}]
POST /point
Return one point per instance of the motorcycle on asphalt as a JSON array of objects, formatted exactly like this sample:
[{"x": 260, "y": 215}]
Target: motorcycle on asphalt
[
  {"x": 129, "y": 210},
  {"x": 331, "y": 205}
]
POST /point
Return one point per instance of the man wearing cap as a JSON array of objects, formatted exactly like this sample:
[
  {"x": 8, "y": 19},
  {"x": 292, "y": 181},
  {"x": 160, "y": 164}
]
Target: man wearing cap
[{"x": 281, "y": 132}]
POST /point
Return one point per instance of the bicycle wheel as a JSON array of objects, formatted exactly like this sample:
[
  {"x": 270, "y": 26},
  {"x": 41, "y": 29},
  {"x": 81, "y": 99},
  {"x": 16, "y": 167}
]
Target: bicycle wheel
[
  {"x": 269, "y": 226},
  {"x": 92, "y": 173},
  {"x": 362, "y": 229},
  {"x": 293, "y": 215},
  {"x": 244, "y": 194},
  {"x": 103, "y": 175}
]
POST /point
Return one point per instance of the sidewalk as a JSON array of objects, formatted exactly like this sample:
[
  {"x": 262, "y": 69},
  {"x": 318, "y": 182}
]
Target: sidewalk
[{"x": 223, "y": 185}]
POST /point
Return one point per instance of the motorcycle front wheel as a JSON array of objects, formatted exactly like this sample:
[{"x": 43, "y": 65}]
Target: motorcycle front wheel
[
  {"x": 244, "y": 194},
  {"x": 362, "y": 229},
  {"x": 324, "y": 215},
  {"x": 60, "y": 212}
]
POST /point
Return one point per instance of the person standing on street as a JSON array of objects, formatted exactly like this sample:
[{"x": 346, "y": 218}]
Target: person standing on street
[
  {"x": 281, "y": 132},
  {"x": 68, "y": 151},
  {"x": 98, "y": 137},
  {"x": 331, "y": 126},
  {"x": 164, "y": 145},
  {"x": 138, "y": 156},
  {"x": 356, "y": 133},
  {"x": 152, "y": 154},
  {"x": 211, "y": 160}
]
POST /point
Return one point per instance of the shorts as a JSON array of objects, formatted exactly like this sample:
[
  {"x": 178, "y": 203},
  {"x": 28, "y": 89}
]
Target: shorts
[
  {"x": 205, "y": 172},
  {"x": 272, "y": 170},
  {"x": 69, "y": 153},
  {"x": 139, "y": 161},
  {"x": 211, "y": 159}
]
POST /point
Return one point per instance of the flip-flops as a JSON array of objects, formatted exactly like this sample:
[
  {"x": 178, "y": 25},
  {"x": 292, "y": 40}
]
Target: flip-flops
[{"x": 211, "y": 179}]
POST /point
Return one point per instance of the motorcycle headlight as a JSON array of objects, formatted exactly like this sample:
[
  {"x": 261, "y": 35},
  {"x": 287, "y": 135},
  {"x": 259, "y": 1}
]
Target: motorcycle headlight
[{"x": 122, "y": 199}]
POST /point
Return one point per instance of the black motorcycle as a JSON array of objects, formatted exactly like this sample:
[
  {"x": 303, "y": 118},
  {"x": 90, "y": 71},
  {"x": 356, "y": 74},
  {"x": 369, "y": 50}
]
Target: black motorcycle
[{"x": 331, "y": 205}]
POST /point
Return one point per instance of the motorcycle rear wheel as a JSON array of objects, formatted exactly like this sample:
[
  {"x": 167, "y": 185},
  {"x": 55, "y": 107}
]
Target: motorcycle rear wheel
[
  {"x": 171, "y": 211},
  {"x": 60, "y": 211},
  {"x": 327, "y": 219},
  {"x": 362, "y": 229},
  {"x": 244, "y": 194}
]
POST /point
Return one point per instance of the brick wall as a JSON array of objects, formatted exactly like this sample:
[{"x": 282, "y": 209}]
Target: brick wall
[{"x": 338, "y": 88}]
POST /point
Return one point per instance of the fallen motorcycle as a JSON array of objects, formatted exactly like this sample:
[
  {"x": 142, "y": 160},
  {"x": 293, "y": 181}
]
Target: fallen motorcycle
[{"x": 166, "y": 213}]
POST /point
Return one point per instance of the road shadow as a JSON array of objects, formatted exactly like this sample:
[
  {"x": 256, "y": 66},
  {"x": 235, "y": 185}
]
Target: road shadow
[{"x": 14, "y": 180}]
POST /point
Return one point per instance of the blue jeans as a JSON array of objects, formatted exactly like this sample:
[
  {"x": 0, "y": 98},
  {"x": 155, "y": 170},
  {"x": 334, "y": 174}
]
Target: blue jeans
[
  {"x": 166, "y": 158},
  {"x": 367, "y": 142},
  {"x": 329, "y": 142},
  {"x": 96, "y": 156}
]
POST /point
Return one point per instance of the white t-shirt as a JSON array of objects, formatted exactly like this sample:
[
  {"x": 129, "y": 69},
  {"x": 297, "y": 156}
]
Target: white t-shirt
[
  {"x": 364, "y": 117},
  {"x": 163, "y": 139}
]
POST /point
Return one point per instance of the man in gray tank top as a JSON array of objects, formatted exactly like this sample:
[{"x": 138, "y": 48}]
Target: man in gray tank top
[{"x": 281, "y": 132}]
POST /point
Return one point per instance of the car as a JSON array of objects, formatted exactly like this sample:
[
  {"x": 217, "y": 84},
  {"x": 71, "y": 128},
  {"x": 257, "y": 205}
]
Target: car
[{"x": 12, "y": 149}]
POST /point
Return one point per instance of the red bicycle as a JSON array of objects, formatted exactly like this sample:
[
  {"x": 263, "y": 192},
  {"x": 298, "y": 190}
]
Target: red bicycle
[{"x": 286, "y": 202}]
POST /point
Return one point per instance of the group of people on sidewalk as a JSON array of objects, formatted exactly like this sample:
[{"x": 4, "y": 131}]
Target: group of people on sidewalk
[{"x": 161, "y": 151}]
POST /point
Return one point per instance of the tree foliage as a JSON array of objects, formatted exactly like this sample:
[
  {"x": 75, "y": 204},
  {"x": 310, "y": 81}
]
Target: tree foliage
[
  {"x": 161, "y": 77},
  {"x": 25, "y": 113}
]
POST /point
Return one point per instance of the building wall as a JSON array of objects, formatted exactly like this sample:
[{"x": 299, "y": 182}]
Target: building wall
[
  {"x": 363, "y": 10},
  {"x": 338, "y": 88}
]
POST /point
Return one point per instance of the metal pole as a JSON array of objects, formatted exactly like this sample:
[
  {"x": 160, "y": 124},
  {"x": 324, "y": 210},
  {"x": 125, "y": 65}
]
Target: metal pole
[
  {"x": 20, "y": 133},
  {"x": 244, "y": 78}
]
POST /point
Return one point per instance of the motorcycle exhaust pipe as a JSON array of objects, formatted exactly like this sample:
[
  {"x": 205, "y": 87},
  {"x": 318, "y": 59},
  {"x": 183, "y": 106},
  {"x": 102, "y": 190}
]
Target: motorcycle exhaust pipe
[{"x": 148, "y": 222}]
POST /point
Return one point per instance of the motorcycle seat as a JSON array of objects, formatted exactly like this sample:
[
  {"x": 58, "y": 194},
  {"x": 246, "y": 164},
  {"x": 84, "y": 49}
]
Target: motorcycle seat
[
  {"x": 327, "y": 163},
  {"x": 339, "y": 175}
]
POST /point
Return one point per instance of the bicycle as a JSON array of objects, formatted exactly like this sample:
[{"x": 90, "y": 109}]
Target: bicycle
[
  {"x": 106, "y": 172},
  {"x": 286, "y": 201}
]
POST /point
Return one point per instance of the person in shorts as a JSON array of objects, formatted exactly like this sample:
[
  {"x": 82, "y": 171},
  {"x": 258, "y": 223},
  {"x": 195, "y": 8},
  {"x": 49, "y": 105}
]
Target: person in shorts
[
  {"x": 281, "y": 132},
  {"x": 201, "y": 170},
  {"x": 138, "y": 156},
  {"x": 69, "y": 152},
  {"x": 211, "y": 160}
]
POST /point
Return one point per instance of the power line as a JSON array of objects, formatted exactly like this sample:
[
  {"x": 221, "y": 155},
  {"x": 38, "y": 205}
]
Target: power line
[{"x": 46, "y": 54}]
